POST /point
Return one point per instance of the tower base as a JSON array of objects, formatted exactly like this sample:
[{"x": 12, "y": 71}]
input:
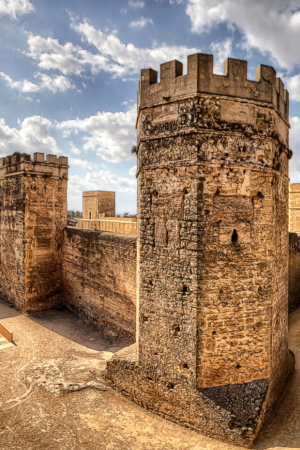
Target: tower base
[{"x": 231, "y": 413}]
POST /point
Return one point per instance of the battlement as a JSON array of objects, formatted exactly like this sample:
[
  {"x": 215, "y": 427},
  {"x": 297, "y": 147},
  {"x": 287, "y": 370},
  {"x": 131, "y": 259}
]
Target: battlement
[
  {"x": 21, "y": 162},
  {"x": 201, "y": 79}
]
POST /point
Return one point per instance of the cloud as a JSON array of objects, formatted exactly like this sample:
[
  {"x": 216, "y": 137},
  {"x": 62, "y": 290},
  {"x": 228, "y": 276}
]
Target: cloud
[
  {"x": 292, "y": 84},
  {"x": 32, "y": 136},
  {"x": 113, "y": 56},
  {"x": 132, "y": 171},
  {"x": 74, "y": 149},
  {"x": 221, "y": 51},
  {"x": 295, "y": 146},
  {"x": 15, "y": 8},
  {"x": 110, "y": 135},
  {"x": 101, "y": 180},
  {"x": 129, "y": 58},
  {"x": 271, "y": 26},
  {"x": 136, "y": 4},
  {"x": 141, "y": 23},
  {"x": 56, "y": 84}
]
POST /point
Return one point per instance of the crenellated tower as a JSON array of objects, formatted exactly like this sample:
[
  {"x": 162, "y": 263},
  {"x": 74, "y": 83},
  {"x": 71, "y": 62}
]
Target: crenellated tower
[
  {"x": 33, "y": 213},
  {"x": 212, "y": 351}
]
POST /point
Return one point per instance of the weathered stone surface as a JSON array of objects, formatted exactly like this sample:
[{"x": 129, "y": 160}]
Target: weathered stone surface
[
  {"x": 212, "y": 245},
  {"x": 99, "y": 277},
  {"x": 97, "y": 204}
]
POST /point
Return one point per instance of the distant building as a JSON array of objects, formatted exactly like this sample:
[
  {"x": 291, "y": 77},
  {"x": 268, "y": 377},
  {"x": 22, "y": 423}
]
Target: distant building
[{"x": 98, "y": 204}]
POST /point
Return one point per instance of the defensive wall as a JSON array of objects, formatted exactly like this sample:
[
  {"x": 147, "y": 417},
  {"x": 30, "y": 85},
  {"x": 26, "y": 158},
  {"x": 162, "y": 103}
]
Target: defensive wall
[
  {"x": 99, "y": 278},
  {"x": 207, "y": 273}
]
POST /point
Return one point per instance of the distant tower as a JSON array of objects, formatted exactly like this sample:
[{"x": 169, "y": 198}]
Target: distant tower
[
  {"x": 212, "y": 248},
  {"x": 33, "y": 214},
  {"x": 98, "y": 204}
]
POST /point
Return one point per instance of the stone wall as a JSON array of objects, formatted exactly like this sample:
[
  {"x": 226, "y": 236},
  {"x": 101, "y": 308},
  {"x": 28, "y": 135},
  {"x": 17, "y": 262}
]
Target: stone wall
[
  {"x": 96, "y": 204},
  {"x": 33, "y": 214},
  {"x": 99, "y": 277},
  {"x": 212, "y": 172},
  {"x": 294, "y": 272},
  {"x": 294, "y": 207},
  {"x": 114, "y": 225}
]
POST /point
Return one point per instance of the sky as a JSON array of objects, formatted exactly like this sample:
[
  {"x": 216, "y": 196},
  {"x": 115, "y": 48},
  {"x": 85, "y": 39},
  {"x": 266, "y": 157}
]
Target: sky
[{"x": 69, "y": 72}]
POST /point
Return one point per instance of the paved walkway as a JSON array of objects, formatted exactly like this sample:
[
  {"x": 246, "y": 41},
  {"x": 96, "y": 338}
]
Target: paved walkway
[{"x": 52, "y": 396}]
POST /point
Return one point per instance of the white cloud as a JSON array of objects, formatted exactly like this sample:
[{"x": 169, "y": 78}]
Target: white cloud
[
  {"x": 221, "y": 51},
  {"x": 109, "y": 135},
  {"x": 175, "y": 2},
  {"x": 271, "y": 26},
  {"x": 136, "y": 4},
  {"x": 132, "y": 171},
  {"x": 113, "y": 56},
  {"x": 32, "y": 136},
  {"x": 292, "y": 84},
  {"x": 127, "y": 57},
  {"x": 22, "y": 86},
  {"x": 74, "y": 149},
  {"x": 295, "y": 147},
  {"x": 101, "y": 180},
  {"x": 82, "y": 163},
  {"x": 58, "y": 83},
  {"x": 15, "y": 8},
  {"x": 141, "y": 23}
]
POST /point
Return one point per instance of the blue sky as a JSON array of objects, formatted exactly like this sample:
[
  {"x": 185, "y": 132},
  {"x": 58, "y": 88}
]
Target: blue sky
[{"x": 69, "y": 71}]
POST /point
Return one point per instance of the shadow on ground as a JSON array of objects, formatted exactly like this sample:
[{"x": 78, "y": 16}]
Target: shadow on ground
[{"x": 66, "y": 324}]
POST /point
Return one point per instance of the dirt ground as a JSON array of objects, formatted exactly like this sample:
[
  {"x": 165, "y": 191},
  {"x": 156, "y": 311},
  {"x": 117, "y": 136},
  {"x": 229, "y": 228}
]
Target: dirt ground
[{"x": 52, "y": 395}]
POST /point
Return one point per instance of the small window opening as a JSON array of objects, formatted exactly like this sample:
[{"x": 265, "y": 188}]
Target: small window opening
[
  {"x": 185, "y": 366},
  {"x": 238, "y": 366},
  {"x": 167, "y": 237},
  {"x": 214, "y": 333},
  {"x": 176, "y": 330},
  {"x": 221, "y": 291},
  {"x": 145, "y": 319},
  {"x": 150, "y": 283},
  {"x": 184, "y": 289},
  {"x": 234, "y": 237},
  {"x": 170, "y": 385},
  {"x": 90, "y": 215}
]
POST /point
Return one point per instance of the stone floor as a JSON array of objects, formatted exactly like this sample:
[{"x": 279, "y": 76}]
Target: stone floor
[{"x": 52, "y": 395}]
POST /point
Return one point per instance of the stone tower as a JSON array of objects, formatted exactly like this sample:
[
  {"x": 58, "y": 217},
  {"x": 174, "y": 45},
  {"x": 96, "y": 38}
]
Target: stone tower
[
  {"x": 33, "y": 213},
  {"x": 212, "y": 351},
  {"x": 97, "y": 204}
]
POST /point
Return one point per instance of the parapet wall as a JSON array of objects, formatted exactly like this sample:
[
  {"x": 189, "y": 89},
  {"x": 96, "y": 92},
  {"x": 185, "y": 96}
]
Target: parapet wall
[
  {"x": 99, "y": 277},
  {"x": 201, "y": 79},
  {"x": 114, "y": 225}
]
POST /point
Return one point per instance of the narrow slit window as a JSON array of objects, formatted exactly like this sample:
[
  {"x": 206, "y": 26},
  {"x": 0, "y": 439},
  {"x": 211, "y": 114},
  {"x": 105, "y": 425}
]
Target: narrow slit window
[{"x": 234, "y": 237}]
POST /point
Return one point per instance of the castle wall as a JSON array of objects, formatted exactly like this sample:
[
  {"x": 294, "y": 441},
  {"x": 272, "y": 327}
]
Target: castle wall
[
  {"x": 114, "y": 225},
  {"x": 96, "y": 204},
  {"x": 294, "y": 207},
  {"x": 99, "y": 277}
]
